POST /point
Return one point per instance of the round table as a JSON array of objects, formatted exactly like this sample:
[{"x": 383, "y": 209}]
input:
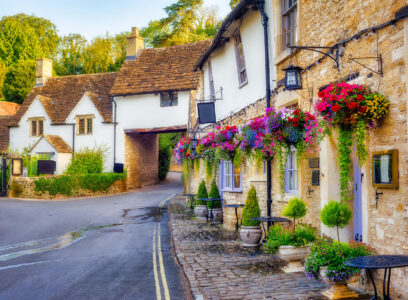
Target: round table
[
  {"x": 210, "y": 213},
  {"x": 236, "y": 206},
  {"x": 386, "y": 262},
  {"x": 191, "y": 199},
  {"x": 272, "y": 220}
]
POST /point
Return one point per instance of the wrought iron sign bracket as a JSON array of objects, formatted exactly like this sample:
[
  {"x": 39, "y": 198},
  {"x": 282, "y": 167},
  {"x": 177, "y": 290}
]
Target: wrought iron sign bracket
[
  {"x": 334, "y": 56},
  {"x": 213, "y": 99},
  {"x": 379, "y": 63}
]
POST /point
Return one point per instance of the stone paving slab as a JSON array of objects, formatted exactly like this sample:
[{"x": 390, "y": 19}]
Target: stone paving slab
[{"x": 218, "y": 268}]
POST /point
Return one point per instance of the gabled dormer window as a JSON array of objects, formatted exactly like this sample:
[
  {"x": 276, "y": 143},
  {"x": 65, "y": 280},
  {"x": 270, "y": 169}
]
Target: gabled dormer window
[
  {"x": 85, "y": 124},
  {"x": 36, "y": 126},
  {"x": 239, "y": 54},
  {"x": 168, "y": 99}
]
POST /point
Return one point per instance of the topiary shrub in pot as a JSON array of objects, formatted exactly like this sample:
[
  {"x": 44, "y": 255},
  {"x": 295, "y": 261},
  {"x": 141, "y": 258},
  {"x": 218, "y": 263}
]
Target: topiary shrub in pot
[
  {"x": 200, "y": 208},
  {"x": 251, "y": 232},
  {"x": 215, "y": 205},
  {"x": 336, "y": 214}
]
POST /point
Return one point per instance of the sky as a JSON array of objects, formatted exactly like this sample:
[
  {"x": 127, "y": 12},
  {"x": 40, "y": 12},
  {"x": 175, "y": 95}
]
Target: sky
[{"x": 96, "y": 17}]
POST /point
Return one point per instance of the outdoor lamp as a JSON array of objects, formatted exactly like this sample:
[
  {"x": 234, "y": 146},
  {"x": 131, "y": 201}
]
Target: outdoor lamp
[
  {"x": 194, "y": 143},
  {"x": 293, "y": 80}
]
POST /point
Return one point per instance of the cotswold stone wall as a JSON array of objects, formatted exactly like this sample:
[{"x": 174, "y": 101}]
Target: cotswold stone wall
[
  {"x": 324, "y": 23},
  {"x": 28, "y": 190},
  {"x": 141, "y": 159}
]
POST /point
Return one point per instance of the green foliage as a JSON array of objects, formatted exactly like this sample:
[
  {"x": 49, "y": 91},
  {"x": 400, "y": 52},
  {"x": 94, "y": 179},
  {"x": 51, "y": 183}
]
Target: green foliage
[
  {"x": 167, "y": 142},
  {"x": 87, "y": 161},
  {"x": 251, "y": 209},
  {"x": 361, "y": 136},
  {"x": 345, "y": 142},
  {"x": 279, "y": 236},
  {"x": 68, "y": 184},
  {"x": 332, "y": 254},
  {"x": 214, "y": 193},
  {"x": 16, "y": 189},
  {"x": 335, "y": 214},
  {"x": 233, "y": 3},
  {"x": 201, "y": 193},
  {"x": 296, "y": 208},
  {"x": 186, "y": 22},
  {"x": 3, "y": 71},
  {"x": 19, "y": 80}
]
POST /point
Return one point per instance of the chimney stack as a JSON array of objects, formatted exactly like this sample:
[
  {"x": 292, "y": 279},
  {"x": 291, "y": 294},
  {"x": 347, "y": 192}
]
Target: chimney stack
[
  {"x": 43, "y": 71},
  {"x": 135, "y": 43}
]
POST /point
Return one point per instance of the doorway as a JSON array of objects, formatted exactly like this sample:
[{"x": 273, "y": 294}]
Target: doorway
[{"x": 358, "y": 203}]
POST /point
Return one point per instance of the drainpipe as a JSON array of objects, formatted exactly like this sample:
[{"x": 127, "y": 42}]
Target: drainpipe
[
  {"x": 73, "y": 139},
  {"x": 114, "y": 130},
  {"x": 265, "y": 18}
]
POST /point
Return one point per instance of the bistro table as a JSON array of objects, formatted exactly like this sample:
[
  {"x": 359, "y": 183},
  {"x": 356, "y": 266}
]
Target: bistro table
[
  {"x": 191, "y": 199},
  {"x": 272, "y": 220},
  {"x": 386, "y": 262},
  {"x": 236, "y": 206},
  {"x": 210, "y": 214}
]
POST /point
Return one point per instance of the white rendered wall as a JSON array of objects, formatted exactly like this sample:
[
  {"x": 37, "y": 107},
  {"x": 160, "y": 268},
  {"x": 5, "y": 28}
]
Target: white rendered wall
[
  {"x": 224, "y": 68},
  {"x": 102, "y": 133},
  {"x": 63, "y": 161}
]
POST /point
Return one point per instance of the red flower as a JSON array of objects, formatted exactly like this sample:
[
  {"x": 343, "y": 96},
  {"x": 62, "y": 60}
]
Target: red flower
[
  {"x": 352, "y": 105},
  {"x": 296, "y": 112},
  {"x": 227, "y": 128},
  {"x": 321, "y": 94},
  {"x": 360, "y": 97},
  {"x": 362, "y": 109},
  {"x": 333, "y": 97},
  {"x": 295, "y": 124},
  {"x": 336, "y": 107},
  {"x": 311, "y": 117},
  {"x": 295, "y": 120}
]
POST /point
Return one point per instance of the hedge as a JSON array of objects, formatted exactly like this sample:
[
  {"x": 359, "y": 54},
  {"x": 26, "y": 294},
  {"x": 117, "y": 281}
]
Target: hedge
[{"x": 68, "y": 184}]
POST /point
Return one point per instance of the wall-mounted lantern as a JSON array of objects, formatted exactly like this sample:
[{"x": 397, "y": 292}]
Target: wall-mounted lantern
[
  {"x": 194, "y": 143},
  {"x": 293, "y": 80}
]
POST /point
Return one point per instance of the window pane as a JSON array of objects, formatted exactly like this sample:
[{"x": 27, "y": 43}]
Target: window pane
[
  {"x": 227, "y": 174},
  {"x": 169, "y": 99},
  {"x": 237, "y": 178},
  {"x": 81, "y": 126},
  {"x": 40, "y": 127},
  {"x": 34, "y": 128},
  {"x": 89, "y": 125}
]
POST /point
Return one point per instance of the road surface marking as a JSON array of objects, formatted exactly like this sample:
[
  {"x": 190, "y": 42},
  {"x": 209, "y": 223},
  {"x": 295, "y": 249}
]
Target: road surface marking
[
  {"x": 162, "y": 271},
  {"x": 156, "y": 277}
]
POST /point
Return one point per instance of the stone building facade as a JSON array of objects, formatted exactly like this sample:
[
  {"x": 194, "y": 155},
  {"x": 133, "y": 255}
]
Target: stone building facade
[{"x": 362, "y": 30}]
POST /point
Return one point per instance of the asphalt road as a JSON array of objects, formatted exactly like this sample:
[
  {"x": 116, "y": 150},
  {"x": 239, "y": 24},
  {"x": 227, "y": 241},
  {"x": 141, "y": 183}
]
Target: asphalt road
[{"x": 115, "y": 247}]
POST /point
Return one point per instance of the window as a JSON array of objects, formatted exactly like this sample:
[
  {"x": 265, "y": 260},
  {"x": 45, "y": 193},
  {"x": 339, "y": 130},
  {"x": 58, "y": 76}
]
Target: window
[
  {"x": 168, "y": 99},
  {"x": 289, "y": 22},
  {"x": 36, "y": 127},
  {"x": 84, "y": 125},
  {"x": 291, "y": 172},
  {"x": 211, "y": 80},
  {"x": 230, "y": 176},
  {"x": 239, "y": 53}
]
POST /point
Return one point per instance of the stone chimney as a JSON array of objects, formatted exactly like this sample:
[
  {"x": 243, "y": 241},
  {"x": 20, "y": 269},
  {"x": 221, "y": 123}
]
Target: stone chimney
[
  {"x": 135, "y": 43},
  {"x": 44, "y": 71}
]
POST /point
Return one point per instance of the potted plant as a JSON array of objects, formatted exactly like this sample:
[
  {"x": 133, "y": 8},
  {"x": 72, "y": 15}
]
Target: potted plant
[
  {"x": 326, "y": 261},
  {"x": 335, "y": 214},
  {"x": 200, "y": 208},
  {"x": 251, "y": 233},
  {"x": 216, "y": 206}
]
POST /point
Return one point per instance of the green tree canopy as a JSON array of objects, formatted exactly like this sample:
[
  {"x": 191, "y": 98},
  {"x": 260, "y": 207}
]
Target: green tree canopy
[
  {"x": 70, "y": 51},
  {"x": 19, "y": 80},
  {"x": 233, "y": 3}
]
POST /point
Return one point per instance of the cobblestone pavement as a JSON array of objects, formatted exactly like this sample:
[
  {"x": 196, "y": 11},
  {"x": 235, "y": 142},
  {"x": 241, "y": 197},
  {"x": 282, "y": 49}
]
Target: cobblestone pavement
[{"x": 219, "y": 268}]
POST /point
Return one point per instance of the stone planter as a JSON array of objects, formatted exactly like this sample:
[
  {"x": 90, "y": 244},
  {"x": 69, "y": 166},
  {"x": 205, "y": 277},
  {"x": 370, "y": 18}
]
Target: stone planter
[
  {"x": 201, "y": 212},
  {"x": 251, "y": 236},
  {"x": 337, "y": 290},
  {"x": 293, "y": 253},
  {"x": 218, "y": 217}
]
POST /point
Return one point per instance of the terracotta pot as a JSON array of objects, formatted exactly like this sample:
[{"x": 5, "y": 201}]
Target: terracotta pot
[
  {"x": 337, "y": 290},
  {"x": 251, "y": 236},
  {"x": 201, "y": 212},
  {"x": 293, "y": 253},
  {"x": 217, "y": 213}
]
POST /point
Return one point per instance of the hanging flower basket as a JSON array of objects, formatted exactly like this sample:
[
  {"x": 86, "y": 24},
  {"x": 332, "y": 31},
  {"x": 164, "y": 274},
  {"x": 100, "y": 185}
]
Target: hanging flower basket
[{"x": 226, "y": 141}]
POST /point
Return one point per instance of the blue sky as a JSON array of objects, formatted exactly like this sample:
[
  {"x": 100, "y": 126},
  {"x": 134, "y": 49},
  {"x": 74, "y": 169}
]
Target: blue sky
[{"x": 95, "y": 17}]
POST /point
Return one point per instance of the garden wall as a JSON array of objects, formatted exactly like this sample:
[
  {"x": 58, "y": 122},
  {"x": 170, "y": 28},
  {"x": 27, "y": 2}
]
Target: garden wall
[{"x": 27, "y": 187}]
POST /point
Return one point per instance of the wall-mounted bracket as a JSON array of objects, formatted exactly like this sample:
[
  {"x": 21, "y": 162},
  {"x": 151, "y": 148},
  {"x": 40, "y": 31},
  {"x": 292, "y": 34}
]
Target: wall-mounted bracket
[
  {"x": 217, "y": 97},
  {"x": 377, "y": 194},
  {"x": 379, "y": 63},
  {"x": 334, "y": 56}
]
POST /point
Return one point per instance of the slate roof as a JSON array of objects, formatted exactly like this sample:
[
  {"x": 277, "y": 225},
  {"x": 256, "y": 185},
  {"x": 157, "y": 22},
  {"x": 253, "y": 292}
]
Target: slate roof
[
  {"x": 4, "y": 133},
  {"x": 56, "y": 141},
  {"x": 8, "y": 108},
  {"x": 60, "y": 95},
  {"x": 161, "y": 69}
]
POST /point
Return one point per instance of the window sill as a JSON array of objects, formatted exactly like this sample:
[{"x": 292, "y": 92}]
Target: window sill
[
  {"x": 282, "y": 56},
  {"x": 232, "y": 191},
  {"x": 80, "y": 134},
  {"x": 241, "y": 85},
  {"x": 288, "y": 195}
]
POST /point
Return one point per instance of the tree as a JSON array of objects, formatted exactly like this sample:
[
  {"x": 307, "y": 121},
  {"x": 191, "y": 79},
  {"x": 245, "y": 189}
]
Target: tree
[
  {"x": 251, "y": 209},
  {"x": 19, "y": 80},
  {"x": 184, "y": 24},
  {"x": 215, "y": 194},
  {"x": 3, "y": 71},
  {"x": 335, "y": 214},
  {"x": 295, "y": 209},
  {"x": 233, "y": 3},
  {"x": 202, "y": 193},
  {"x": 70, "y": 52}
]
